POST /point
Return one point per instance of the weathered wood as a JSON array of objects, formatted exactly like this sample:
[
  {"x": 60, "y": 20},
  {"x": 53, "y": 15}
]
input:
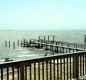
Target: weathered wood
[
  {"x": 57, "y": 67},
  {"x": 52, "y": 46},
  {"x": 5, "y": 43},
  {"x": 13, "y": 45},
  {"x": 22, "y": 71},
  {"x": 9, "y": 44},
  {"x": 18, "y": 42}
]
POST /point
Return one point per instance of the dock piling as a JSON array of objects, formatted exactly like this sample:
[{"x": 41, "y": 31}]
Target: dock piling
[
  {"x": 9, "y": 44},
  {"x": 13, "y": 45},
  {"x": 5, "y": 43},
  {"x": 18, "y": 42}
]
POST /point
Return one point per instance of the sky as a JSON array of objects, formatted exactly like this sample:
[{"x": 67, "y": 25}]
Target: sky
[{"x": 42, "y": 14}]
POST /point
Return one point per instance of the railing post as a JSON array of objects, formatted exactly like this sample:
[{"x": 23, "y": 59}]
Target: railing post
[
  {"x": 76, "y": 66},
  {"x": 21, "y": 71}
]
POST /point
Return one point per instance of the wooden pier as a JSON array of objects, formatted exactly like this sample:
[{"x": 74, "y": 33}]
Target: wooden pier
[
  {"x": 69, "y": 66},
  {"x": 52, "y": 45}
]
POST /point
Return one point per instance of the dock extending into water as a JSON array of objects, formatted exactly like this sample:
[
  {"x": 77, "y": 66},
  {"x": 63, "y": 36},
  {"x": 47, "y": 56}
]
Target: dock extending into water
[
  {"x": 52, "y": 45},
  {"x": 69, "y": 66}
]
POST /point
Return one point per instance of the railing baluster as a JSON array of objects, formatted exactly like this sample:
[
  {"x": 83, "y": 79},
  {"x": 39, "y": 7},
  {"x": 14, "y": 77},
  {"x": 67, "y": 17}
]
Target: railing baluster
[
  {"x": 67, "y": 68},
  {"x": 30, "y": 72},
  {"x": 70, "y": 67},
  {"x": 1, "y": 73},
  {"x": 25, "y": 72},
  {"x": 43, "y": 70},
  {"x": 22, "y": 71},
  {"x": 57, "y": 71},
  {"x": 64, "y": 68},
  {"x": 50, "y": 71},
  {"x": 61, "y": 68},
  {"x": 12, "y": 72},
  {"x": 18, "y": 72},
  {"x": 34, "y": 71},
  {"x": 39, "y": 70},
  {"x": 46, "y": 70},
  {"x": 7, "y": 73},
  {"x": 83, "y": 65},
  {"x": 73, "y": 68},
  {"x": 76, "y": 66},
  {"x": 54, "y": 69},
  {"x": 80, "y": 67}
]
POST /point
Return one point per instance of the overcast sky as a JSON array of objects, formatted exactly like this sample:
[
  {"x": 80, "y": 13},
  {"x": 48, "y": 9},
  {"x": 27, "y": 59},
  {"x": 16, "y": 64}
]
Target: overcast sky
[{"x": 42, "y": 14}]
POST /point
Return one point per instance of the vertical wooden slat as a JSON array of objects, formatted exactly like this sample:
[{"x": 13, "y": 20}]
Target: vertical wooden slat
[
  {"x": 39, "y": 70},
  {"x": 30, "y": 73},
  {"x": 22, "y": 71},
  {"x": 54, "y": 68},
  {"x": 34, "y": 71},
  {"x": 7, "y": 73},
  {"x": 46, "y": 70},
  {"x": 80, "y": 67},
  {"x": 57, "y": 70},
  {"x": 73, "y": 67},
  {"x": 25, "y": 72},
  {"x": 12, "y": 72},
  {"x": 76, "y": 66},
  {"x": 1, "y": 73},
  {"x": 70, "y": 67},
  {"x": 43, "y": 70},
  {"x": 18, "y": 72},
  {"x": 50, "y": 71},
  {"x": 67, "y": 68},
  {"x": 64, "y": 68},
  {"x": 83, "y": 65},
  {"x": 61, "y": 69}
]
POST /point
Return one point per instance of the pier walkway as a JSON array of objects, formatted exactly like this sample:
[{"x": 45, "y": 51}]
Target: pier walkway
[{"x": 52, "y": 45}]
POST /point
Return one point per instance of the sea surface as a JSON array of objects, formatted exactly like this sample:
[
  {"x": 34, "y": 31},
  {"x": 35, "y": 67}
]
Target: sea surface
[{"x": 20, "y": 53}]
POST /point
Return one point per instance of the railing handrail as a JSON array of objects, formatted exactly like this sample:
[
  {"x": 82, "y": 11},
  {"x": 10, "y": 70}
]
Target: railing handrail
[{"x": 40, "y": 59}]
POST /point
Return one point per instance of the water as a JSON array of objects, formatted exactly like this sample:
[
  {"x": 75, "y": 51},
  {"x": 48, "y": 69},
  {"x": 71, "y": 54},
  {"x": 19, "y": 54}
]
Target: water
[{"x": 76, "y": 36}]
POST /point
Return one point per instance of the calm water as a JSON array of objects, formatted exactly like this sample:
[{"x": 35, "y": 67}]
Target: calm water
[{"x": 76, "y": 36}]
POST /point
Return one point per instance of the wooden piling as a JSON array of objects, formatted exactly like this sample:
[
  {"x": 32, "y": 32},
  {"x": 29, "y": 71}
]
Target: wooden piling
[
  {"x": 18, "y": 42},
  {"x": 9, "y": 44},
  {"x": 13, "y": 45},
  {"x": 5, "y": 43},
  {"x": 21, "y": 43}
]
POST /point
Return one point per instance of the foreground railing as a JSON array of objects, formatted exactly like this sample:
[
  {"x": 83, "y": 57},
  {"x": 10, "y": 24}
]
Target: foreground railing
[{"x": 57, "y": 67}]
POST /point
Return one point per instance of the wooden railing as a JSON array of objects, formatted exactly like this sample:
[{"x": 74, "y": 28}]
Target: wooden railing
[{"x": 56, "y": 67}]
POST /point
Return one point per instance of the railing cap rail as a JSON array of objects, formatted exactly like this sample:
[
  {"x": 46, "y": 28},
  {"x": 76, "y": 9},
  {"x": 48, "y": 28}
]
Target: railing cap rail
[{"x": 40, "y": 59}]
